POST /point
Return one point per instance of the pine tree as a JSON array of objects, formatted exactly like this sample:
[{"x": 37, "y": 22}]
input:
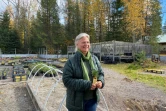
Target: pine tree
[
  {"x": 46, "y": 27},
  {"x": 155, "y": 24},
  {"x": 117, "y": 22},
  {"x": 73, "y": 21},
  {"x": 9, "y": 39},
  {"x": 155, "y": 19}
]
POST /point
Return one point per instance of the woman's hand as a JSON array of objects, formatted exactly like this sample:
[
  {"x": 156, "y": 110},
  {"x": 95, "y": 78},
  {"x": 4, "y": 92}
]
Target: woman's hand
[
  {"x": 93, "y": 87},
  {"x": 99, "y": 84}
]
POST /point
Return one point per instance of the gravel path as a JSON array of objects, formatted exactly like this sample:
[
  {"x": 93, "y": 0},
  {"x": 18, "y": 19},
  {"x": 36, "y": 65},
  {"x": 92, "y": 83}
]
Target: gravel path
[
  {"x": 119, "y": 89},
  {"x": 121, "y": 94}
]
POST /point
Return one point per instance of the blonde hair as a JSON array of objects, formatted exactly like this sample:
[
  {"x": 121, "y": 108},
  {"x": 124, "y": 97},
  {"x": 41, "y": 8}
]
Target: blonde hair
[{"x": 78, "y": 37}]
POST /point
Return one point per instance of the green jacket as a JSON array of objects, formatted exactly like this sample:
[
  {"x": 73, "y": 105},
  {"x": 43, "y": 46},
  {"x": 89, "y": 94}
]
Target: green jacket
[{"x": 76, "y": 85}]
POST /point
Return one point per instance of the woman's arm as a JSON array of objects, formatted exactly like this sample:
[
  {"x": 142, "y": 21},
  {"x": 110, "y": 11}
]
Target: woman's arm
[{"x": 71, "y": 80}]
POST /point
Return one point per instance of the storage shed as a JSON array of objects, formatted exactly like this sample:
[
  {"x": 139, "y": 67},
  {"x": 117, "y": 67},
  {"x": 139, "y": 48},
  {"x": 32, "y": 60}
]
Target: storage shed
[{"x": 162, "y": 43}]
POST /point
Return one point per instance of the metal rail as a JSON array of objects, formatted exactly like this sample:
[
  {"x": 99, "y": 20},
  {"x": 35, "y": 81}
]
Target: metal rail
[{"x": 34, "y": 93}]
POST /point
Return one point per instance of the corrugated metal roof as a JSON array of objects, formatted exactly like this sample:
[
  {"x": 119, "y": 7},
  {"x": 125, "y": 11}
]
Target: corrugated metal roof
[{"x": 162, "y": 38}]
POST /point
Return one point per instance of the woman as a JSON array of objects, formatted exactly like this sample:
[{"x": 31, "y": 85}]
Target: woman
[{"x": 82, "y": 76}]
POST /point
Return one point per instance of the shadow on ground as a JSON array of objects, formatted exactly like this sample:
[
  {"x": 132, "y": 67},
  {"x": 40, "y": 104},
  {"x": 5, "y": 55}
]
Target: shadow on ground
[{"x": 23, "y": 99}]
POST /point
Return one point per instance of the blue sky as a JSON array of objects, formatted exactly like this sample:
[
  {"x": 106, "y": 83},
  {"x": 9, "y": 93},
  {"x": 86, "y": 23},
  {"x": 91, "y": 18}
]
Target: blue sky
[
  {"x": 3, "y": 4},
  {"x": 163, "y": 5}
]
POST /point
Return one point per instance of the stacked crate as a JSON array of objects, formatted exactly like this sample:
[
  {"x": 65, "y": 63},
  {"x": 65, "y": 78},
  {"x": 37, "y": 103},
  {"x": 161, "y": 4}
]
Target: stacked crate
[
  {"x": 19, "y": 73},
  {"x": 11, "y": 62},
  {"x": 2, "y": 62},
  {"x": 3, "y": 73}
]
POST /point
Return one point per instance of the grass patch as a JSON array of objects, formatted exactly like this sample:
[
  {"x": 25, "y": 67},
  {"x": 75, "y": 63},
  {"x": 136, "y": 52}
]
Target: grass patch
[{"x": 131, "y": 72}]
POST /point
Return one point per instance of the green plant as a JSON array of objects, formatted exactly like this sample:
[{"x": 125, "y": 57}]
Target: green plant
[
  {"x": 17, "y": 57},
  {"x": 134, "y": 66},
  {"x": 140, "y": 57},
  {"x": 143, "y": 61}
]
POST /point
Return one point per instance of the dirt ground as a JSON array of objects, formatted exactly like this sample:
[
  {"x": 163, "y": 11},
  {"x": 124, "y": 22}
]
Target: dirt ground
[
  {"x": 120, "y": 93},
  {"x": 13, "y": 95}
]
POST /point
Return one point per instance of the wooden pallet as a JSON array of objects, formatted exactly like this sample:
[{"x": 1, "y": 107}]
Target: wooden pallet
[{"x": 155, "y": 71}]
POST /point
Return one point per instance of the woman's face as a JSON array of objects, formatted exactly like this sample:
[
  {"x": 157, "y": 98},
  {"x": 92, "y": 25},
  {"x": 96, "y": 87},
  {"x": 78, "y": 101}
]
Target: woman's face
[{"x": 83, "y": 45}]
